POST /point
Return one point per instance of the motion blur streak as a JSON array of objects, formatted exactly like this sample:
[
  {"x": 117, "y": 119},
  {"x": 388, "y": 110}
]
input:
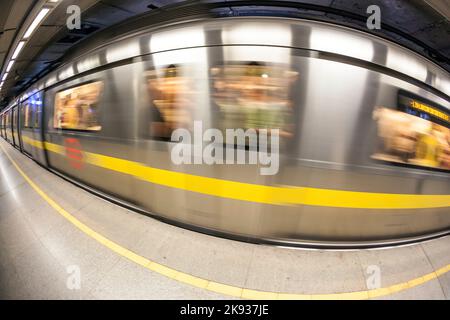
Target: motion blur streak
[{"x": 364, "y": 141}]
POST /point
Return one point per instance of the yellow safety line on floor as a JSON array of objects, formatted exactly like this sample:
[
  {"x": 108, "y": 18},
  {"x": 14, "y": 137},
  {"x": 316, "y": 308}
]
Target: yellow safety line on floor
[
  {"x": 215, "y": 286},
  {"x": 286, "y": 195}
]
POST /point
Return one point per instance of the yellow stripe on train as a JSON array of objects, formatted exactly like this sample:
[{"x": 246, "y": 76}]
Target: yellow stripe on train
[{"x": 258, "y": 193}]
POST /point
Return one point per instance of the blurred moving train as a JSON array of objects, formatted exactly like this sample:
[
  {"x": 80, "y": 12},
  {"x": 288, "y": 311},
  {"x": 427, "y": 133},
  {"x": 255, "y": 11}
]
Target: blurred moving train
[{"x": 365, "y": 143}]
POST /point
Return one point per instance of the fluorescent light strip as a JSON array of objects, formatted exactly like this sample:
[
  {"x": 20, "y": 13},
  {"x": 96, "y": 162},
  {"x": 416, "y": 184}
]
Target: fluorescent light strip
[
  {"x": 10, "y": 65},
  {"x": 18, "y": 49},
  {"x": 36, "y": 22},
  {"x": 5, "y": 76}
]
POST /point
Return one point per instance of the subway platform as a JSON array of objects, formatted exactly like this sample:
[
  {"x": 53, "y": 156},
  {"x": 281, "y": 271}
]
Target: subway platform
[{"x": 58, "y": 241}]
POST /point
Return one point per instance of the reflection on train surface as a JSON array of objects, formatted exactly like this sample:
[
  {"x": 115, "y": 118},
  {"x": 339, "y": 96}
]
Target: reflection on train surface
[{"x": 364, "y": 141}]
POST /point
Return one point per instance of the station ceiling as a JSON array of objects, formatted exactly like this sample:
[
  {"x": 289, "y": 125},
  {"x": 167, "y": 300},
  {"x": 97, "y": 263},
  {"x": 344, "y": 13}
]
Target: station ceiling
[{"x": 421, "y": 25}]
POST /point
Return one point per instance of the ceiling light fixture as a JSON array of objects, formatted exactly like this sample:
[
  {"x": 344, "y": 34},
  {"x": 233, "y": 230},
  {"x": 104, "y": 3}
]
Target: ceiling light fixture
[
  {"x": 10, "y": 65},
  {"x": 36, "y": 22},
  {"x": 18, "y": 49}
]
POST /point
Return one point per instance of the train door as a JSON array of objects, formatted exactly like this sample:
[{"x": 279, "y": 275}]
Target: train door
[
  {"x": 38, "y": 151},
  {"x": 5, "y": 129},
  {"x": 4, "y": 125},
  {"x": 11, "y": 125},
  {"x": 15, "y": 127},
  {"x": 1, "y": 125},
  {"x": 19, "y": 126},
  {"x": 8, "y": 126},
  {"x": 26, "y": 123}
]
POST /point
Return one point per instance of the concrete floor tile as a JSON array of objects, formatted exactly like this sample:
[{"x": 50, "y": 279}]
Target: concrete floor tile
[
  {"x": 9, "y": 279},
  {"x": 9, "y": 205},
  {"x": 9, "y": 179},
  {"x": 428, "y": 291},
  {"x": 438, "y": 251},
  {"x": 293, "y": 271},
  {"x": 71, "y": 247},
  {"x": 198, "y": 254},
  {"x": 444, "y": 281},
  {"x": 43, "y": 219},
  {"x": 26, "y": 198},
  {"x": 16, "y": 235},
  {"x": 130, "y": 281},
  {"x": 108, "y": 219},
  {"x": 398, "y": 264},
  {"x": 40, "y": 275},
  {"x": 68, "y": 196}
]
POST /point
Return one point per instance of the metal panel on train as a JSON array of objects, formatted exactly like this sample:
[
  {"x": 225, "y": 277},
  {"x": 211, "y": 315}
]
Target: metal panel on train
[{"x": 347, "y": 129}]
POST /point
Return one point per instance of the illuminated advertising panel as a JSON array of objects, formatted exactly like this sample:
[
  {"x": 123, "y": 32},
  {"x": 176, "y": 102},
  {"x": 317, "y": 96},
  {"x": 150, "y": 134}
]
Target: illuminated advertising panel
[{"x": 416, "y": 134}]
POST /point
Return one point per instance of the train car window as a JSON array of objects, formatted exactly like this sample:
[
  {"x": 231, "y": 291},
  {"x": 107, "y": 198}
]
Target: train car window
[
  {"x": 37, "y": 115},
  {"x": 254, "y": 95},
  {"x": 416, "y": 134},
  {"x": 172, "y": 93},
  {"x": 27, "y": 114},
  {"x": 78, "y": 108},
  {"x": 14, "y": 117},
  {"x": 31, "y": 110}
]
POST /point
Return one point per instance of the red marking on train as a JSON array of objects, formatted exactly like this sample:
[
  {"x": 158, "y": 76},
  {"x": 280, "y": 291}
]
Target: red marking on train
[{"x": 74, "y": 153}]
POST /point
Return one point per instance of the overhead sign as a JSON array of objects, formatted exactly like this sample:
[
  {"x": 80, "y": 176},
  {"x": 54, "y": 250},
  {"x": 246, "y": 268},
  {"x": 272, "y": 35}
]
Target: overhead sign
[{"x": 425, "y": 109}]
